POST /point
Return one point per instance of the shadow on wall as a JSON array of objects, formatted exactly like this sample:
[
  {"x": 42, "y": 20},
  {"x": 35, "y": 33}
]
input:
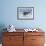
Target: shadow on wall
[{"x": 2, "y": 26}]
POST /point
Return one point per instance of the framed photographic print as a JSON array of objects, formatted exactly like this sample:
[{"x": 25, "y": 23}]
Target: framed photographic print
[{"x": 25, "y": 13}]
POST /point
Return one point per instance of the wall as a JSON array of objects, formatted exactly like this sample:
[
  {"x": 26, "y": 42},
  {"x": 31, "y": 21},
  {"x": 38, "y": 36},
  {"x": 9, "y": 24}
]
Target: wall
[{"x": 9, "y": 13}]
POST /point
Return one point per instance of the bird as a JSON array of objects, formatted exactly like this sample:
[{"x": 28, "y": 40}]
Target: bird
[{"x": 25, "y": 13}]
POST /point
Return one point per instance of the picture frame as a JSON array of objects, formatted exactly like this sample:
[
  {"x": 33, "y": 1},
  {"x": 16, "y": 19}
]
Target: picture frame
[{"x": 25, "y": 13}]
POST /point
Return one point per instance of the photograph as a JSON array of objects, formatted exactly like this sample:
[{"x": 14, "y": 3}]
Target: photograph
[{"x": 25, "y": 13}]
